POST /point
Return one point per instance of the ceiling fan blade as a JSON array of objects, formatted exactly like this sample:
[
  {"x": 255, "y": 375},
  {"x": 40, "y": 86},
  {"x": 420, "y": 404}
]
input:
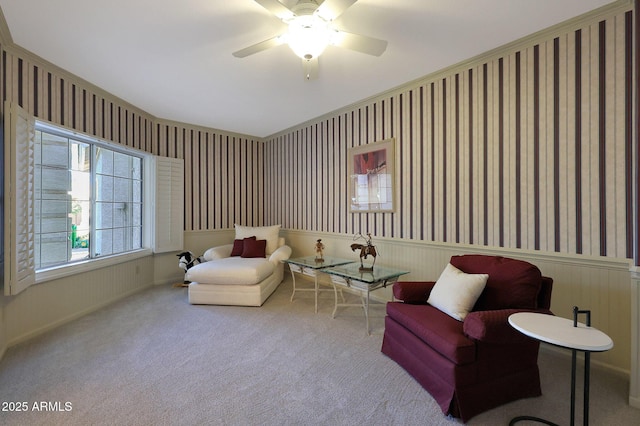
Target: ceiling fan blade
[
  {"x": 310, "y": 68},
  {"x": 360, "y": 43},
  {"x": 331, "y": 9},
  {"x": 277, "y": 8},
  {"x": 259, "y": 47}
]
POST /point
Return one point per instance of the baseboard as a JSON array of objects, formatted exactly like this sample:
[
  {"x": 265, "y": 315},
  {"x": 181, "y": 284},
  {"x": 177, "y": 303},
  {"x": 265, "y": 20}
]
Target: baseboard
[
  {"x": 170, "y": 280},
  {"x": 634, "y": 402}
]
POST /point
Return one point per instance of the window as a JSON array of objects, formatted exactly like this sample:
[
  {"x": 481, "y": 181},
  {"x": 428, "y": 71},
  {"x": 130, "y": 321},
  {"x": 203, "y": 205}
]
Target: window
[
  {"x": 73, "y": 203},
  {"x": 88, "y": 199}
]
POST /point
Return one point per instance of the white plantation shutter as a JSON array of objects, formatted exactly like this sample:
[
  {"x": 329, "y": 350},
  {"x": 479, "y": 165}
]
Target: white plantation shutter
[
  {"x": 168, "y": 232},
  {"x": 19, "y": 216}
]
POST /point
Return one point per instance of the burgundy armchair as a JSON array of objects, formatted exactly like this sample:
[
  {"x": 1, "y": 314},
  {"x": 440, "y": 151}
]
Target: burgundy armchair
[{"x": 477, "y": 364}]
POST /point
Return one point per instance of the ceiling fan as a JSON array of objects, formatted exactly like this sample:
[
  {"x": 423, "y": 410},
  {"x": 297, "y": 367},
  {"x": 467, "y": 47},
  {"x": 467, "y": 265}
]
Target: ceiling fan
[{"x": 311, "y": 30}]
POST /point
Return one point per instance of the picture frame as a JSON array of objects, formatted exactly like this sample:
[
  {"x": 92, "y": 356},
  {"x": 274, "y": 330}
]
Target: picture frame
[{"x": 371, "y": 177}]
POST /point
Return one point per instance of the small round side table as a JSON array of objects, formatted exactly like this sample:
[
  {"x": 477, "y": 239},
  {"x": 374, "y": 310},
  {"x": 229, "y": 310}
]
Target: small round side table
[{"x": 568, "y": 334}]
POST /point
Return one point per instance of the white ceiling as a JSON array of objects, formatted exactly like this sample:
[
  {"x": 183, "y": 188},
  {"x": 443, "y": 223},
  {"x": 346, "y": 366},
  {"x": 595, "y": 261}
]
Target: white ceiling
[{"x": 172, "y": 58}]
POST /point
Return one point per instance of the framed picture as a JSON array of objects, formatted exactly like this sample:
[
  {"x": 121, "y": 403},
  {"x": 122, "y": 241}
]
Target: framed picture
[{"x": 371, "y": 177}]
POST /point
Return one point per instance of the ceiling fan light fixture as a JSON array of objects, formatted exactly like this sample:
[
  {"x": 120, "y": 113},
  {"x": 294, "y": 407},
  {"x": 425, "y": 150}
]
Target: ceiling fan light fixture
[
  {"x": 336, "y": 37},
  {"x": 310, "y": 31},
  {"x": 308, "y": 36}
]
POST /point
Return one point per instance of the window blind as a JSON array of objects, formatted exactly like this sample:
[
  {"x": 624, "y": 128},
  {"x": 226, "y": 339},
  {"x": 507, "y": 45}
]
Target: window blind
[
  {"x": 19, "y": 132},
  {"x": 168, "y": 232}
]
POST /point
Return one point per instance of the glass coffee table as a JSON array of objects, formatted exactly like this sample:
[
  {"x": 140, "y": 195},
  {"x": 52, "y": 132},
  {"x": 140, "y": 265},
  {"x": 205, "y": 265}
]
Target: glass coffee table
[
  {"x": 310, "y": 267},
  {"x": 363, "y": 282}
]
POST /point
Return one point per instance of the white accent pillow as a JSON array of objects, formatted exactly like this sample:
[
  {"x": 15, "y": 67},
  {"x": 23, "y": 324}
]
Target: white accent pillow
[
  {"x": 456, "y": 292},
  {"x": 269, "y": 233}
]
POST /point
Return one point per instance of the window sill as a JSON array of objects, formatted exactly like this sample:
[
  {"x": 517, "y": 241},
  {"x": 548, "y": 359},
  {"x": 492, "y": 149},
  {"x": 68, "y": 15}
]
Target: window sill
[{"x": 62, "y": 271}]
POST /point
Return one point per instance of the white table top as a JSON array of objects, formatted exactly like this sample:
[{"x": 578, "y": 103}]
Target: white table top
[{"x": 560, "y": 331}]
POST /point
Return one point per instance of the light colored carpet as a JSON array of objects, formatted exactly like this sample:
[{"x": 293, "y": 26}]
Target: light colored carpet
[{"x": 154, "y": 359}]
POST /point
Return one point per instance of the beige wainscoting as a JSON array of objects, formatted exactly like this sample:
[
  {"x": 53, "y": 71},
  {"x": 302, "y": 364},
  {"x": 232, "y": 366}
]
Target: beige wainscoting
[
  {"x": 3, "y": 337},
  {"x": 43, "y": 307},
  {"x": 634, "y": 388},
  {"x": 596, "y": 283}
]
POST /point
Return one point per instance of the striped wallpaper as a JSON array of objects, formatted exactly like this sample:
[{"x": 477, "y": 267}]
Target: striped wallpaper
[
  {"x": 530, "y": 149},
  {"x": 223, "y": 171},
  {"x": 223, "y": 181},
  {"x": 533, "y": 148}
]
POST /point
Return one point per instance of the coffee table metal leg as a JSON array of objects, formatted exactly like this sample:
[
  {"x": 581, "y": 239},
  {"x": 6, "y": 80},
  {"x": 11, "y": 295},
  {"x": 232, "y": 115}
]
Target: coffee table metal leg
[
  {"x": 587, "y": 373},
  {"x": 364, "y": 300},
  {"x": 366, "y": 313},
  {"x": 293, "y": 276},
  {"x": 335, "y": 304},
  {"x": 316, "y": 291}
]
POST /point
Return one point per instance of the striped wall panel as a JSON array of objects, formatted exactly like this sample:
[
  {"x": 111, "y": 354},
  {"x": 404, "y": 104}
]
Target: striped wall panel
[
  {"x": 52, "y": 97},
  {"x": 531, "y": 149},
  {"x": 223, "y": 180},
  {"x": 224, "y": 171}
]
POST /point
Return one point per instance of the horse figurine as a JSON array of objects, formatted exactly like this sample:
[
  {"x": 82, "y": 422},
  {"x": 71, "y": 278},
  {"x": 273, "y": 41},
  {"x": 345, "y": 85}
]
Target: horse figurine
[{"x": 367, "y": 249}]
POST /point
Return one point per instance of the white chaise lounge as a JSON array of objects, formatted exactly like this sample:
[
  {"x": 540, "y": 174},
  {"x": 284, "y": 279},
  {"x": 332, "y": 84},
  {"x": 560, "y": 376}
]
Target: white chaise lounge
[{"x": 244, "y": 273}]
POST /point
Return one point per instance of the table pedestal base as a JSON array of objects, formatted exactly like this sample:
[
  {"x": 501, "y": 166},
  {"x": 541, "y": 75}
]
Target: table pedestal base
[
  {"x": 567, "y": 334},
  {"x": 587, "y": 362},
  {"x": 530, "y": 418}
]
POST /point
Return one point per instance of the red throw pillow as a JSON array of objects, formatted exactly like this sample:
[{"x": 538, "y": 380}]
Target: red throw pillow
[
  {"x": 254, "y": 248},
  {"x": 238, "y": 246}
]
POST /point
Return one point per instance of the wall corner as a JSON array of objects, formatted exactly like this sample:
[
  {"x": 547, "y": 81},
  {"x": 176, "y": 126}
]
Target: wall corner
[{"x": 5, "y": 34}]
